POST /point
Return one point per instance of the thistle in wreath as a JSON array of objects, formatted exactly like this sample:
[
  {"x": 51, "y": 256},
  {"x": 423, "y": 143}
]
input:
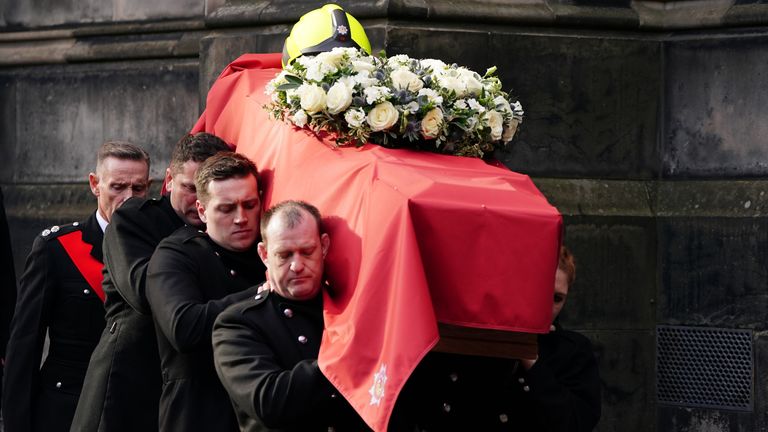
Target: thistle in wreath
[{"x": 396, "y": 102}]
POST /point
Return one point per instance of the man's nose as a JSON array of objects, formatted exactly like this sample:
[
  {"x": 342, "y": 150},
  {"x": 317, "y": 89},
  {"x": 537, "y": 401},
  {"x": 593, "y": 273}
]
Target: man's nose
[
  {"x": 241, "y": 217},
  {"x": 297, "y": 265}
]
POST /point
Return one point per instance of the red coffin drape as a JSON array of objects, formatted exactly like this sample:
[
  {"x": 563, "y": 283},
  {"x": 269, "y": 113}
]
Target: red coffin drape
[{"x": 416, "y": 238}]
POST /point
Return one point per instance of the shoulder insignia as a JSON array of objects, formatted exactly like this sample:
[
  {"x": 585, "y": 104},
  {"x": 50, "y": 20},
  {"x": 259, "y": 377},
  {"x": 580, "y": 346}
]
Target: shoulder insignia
[{"x": 58, "y": 230}]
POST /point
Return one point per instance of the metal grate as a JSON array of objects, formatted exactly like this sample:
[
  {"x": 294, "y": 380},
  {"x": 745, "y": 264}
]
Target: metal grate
[{"x": 704, "y": 367}]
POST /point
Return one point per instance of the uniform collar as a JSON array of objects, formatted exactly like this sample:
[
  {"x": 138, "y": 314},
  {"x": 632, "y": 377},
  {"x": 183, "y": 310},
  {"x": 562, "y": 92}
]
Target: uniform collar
[{"x": 102, "y": 222}]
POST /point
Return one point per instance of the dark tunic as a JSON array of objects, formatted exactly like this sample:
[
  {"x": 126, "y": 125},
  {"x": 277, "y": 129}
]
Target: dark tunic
[
  {"x": 7, "y": 284},
  {"x": 122, "y": 387},
  {"x": 54, "y": 297},
  {"x": 561, "y": 392},
  {"x": 190, "y": 280},
  {"x": 266, "y": 356}
]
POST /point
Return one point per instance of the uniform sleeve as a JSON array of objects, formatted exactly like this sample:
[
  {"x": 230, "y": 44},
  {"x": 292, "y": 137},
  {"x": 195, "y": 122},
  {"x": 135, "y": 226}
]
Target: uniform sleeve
[
  {"x": 28, "y": 327},
  {"x": 179, "y": 306},
  {"x": 250, "y": 371},
  {"x": 567, "y": 394},
  {"x": 128, "y": 245}
]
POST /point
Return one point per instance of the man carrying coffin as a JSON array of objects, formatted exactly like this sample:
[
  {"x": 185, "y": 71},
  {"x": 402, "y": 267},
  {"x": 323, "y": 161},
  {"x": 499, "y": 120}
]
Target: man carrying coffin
[
  {"x": 265, "y": 348},
  {"x": 192, "y": 277},
  {"x": 122, "y": 386}
]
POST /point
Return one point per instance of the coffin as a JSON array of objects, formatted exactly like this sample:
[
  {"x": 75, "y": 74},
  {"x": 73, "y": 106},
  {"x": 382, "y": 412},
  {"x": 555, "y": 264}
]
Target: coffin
[{"x": 427, "y": 251}]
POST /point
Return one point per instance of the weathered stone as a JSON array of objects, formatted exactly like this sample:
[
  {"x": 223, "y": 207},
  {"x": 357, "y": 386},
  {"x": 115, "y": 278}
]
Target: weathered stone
[
  {"x": 592, "y": 108},
  {"x": 47, "y": 13},
  {"x": 710, "y": 127},
  {"x": 146, "y": 102},
  {"x": 626, "y": 363},
  {"x": 713, "y": 272},
  {"x": 615, "y": 284}
]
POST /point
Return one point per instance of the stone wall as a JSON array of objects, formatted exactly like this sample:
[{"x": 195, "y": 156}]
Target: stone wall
[{"x": 643, "y": 126}]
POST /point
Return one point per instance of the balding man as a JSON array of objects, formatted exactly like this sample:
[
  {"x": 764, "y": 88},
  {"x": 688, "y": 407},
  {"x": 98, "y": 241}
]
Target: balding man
[{"x": 61, "y": 294}]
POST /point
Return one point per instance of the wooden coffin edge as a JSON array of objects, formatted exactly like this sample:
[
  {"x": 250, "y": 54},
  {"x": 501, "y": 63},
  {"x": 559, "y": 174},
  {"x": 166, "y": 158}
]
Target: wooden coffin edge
[{"x": 484, "y": 342}]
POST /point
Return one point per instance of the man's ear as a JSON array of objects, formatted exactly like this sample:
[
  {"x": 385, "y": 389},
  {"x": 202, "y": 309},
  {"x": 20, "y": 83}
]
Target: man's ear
[
  {"x": 168, "y": 179},
  {"x": 93, "y": 182},
  {"x": 261, "y": 248},
  {"x": 325, "y": 243},
  {"x": 201, "y": 210}
]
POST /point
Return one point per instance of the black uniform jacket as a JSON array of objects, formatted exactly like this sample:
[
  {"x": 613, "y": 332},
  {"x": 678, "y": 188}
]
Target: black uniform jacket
[
  {"x": 266, "y": 356},
  {"x": 122, "y": 387},
  {"x": 55, "y": 297},
  {"x": 189, "y": 282},
  {"x": 7, "y": 284},
  {"x": 560, "y": 393}
]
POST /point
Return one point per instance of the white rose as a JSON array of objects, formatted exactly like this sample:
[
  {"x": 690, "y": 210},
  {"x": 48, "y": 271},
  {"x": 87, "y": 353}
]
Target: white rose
[
  {"x": 437, "y": 66},
  {"x": 404, "y": 79},
  {"x": 299, "y": 118},
  {"x": 332, "y": 58},
  {"x": 431, "y": 123},
  {"x": 383, "y": 116},
  {"x": 496, "y": 123},
  {"x": 452, "y": 83},
  {"x": 471, "y": 85},
  {"x": 355, "y": 117},
  {"x": 339, "y": 97},
  {"x": 510, "y": 129},
  {"x": 363, "y": 64},
  {"x": 312, "y": 98}
]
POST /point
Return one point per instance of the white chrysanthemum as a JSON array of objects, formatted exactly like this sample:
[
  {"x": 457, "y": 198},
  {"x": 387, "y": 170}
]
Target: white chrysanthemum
[
  {"x": 502, "y": 104},
  {"x": 517, "y": 110},
  {"x": 475, "y": 105},
  {"x": 317, "y": 71},
  {"x": 437, "y": 66},
  {"x": 376, "y": 94},
  {"x": 363, "y": 64},
  {"x": 364, "y": 79},
  {"x": 355, "y": 117},
  {"x": 398, "y": 60},
  {"x": 461, "y": 104},
  {"x": 299, "y": 118},
  {"x": 411, "y": 107},
  {"x": 432, "y": 96}
]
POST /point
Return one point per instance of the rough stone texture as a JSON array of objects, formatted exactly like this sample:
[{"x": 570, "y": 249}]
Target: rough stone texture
[
  {"x": 649, "y": 142},
  {"x": 713, "y": 272},
  {"x": 615, "y": 284},
  {"x": 151, "y": 103},
  {"x": 625, "y": 360},
  {"x": 712, "y": 99},
  {"x": 24, "y": 14},
  {"x": 592, "y": 108}
]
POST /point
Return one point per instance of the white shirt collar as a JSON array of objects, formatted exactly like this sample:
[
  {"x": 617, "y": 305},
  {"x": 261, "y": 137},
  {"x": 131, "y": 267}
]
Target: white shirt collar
[{"x": 102, "y": 222}]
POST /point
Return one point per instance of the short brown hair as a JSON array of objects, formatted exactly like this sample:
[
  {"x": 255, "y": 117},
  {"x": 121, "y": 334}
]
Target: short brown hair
[
  {"x": 567, "y": 263},
  {"x": 121, "y": 150},
  {"x": 222, "y": 166},
  {"x": 291, "y": 209},
  {"x": 196, "y": 148}
]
